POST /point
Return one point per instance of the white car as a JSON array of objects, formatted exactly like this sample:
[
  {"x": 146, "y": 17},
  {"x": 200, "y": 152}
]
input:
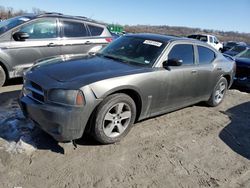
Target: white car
[{"x": 210, "y": 39}]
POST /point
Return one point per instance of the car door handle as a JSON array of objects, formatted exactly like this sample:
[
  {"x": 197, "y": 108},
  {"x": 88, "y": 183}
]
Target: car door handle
[
  {"x": 194, "y": 71},
  {"x": 88, "y": 42},
  {"x": 219, "y": 68},
  {"x": 51, "y": 44}
]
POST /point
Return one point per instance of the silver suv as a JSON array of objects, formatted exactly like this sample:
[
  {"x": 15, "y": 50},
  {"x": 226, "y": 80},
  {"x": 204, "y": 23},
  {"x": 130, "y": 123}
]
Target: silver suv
[{"x": 28, "y": 38}]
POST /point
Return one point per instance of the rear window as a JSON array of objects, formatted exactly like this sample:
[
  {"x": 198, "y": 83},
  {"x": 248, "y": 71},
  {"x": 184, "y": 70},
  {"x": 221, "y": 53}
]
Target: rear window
[
  {"x": 205, "y": 55},
  {"x": 95, "y": 30},
  {"x": 74, "y": 29}
]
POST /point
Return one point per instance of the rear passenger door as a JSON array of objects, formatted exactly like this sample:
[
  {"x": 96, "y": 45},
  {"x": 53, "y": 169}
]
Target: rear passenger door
[
  {"x": 206, "y": 71},
  {"x": 76, "y": 37}
]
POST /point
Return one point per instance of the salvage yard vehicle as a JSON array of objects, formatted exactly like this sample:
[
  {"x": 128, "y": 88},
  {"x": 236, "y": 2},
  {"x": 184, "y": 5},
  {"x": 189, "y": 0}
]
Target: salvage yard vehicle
[
  {"x": 236, "y": 50},
  {"x": 25, "y": 39},
  {"x": 242, "y": 77},
  {"x": 135, "y": 77},
  {"x": 209, "y": 39}
]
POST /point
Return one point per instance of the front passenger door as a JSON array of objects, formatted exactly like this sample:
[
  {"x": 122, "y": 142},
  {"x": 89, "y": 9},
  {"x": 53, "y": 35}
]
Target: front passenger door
[
  {"x": 43, "y": 42},
  {"x": 179, "y": 84}
]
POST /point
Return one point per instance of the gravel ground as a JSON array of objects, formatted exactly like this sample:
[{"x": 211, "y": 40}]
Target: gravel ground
[{"x": 197, "y": 146}]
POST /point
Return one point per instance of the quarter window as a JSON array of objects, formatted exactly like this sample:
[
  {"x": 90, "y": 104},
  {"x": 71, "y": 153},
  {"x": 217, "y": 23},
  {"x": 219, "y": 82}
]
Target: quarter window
[
  {"x": 205, "y": 55},
  {"x": 41, "y": 29},
  {"x": 74, "y": 29},
  {"x": 95, "y": 30},
  {"x": 184, "y": 52}
]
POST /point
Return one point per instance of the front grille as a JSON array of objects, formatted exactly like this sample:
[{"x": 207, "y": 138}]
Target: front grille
[
  {"x": 242, "y": 72},
  {"x": 33, "y": 91}
]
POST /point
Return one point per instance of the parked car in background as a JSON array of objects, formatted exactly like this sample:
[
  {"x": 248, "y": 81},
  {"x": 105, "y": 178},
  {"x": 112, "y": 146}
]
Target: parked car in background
[
  {"x": 242, "y": 77},
  {"x": 228, "y": 45},
  {"x": 24, "y": 39},
  {"x": 236, "y": 50},
  {"x": 210, "y": 39},
  {"x": 135, "y": 77}
]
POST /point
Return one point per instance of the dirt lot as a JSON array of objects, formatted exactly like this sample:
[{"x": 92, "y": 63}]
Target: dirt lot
[{"x": 194, "y": 147}]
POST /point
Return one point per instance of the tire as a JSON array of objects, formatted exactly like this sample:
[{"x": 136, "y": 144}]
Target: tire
[
  {"x": 2, "y": 76},
  {"x": 218, "y": 92},
  {"x": 114, "y": 118}
]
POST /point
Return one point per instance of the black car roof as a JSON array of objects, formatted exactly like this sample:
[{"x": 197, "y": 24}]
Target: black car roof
[{"x": 157, "y": 37}]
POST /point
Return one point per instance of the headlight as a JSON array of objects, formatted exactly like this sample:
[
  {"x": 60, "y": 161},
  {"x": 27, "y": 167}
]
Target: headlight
[{"x": 66, "y": 97}]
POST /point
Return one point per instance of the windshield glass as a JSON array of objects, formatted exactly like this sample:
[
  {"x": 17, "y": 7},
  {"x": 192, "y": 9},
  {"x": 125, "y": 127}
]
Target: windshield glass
[
  {"x": 134, "y": 50},
  {"x": 244, "y": 54},
  {"x": 238, "y": 49},
  {"x": 11, "y": 23}
]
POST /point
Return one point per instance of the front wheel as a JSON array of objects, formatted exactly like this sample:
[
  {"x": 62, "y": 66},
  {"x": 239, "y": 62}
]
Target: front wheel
[
  {"x": 218, "y": 92},
  {"x": 114, "y": 118}
]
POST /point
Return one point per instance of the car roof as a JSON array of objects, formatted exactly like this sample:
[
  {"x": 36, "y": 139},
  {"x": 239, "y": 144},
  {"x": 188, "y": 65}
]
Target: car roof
[
  {"x": 60, "y": 15},
  {"x": 157, "y": 37},
  {"x": 166, "y": 38}
]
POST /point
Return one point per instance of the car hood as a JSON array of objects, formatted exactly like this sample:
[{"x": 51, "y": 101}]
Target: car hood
[
  {"x": 88, "y": 69},
  {"x": 242, "y": 62}
]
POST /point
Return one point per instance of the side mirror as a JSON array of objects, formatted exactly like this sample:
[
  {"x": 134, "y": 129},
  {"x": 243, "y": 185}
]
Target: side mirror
[
  {"x": 172, "y": 62},
  {"x": 216, "y": 42},
  {"x": 20, "y": 36}
]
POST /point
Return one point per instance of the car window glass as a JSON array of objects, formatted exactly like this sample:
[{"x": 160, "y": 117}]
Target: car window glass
[
  {"x": 95, "y": 30},
  {"x": 211, "y": 39},
  {"x": 184, "y": 52},
  {"x": 205, "y": 55},
  {"x": 41, "y": 29},
  {"x": 244, "y": 54},
  {"x": 74, "y": 29}
]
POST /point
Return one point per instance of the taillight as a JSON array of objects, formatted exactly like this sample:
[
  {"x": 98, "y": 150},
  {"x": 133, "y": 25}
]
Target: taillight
[{"x": 108, "y": 40}]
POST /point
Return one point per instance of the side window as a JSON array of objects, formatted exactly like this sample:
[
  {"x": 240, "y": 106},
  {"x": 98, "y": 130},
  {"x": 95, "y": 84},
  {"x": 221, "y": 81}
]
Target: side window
[
  {"x": 184, "y": 52},
  {"x": 95, "y": 30},
  {"x": 205, "y": 55},
  {"x": 41, "y": 29},
  {"x": 211, "y": 40},
  {"x": 74, "y": 29}
]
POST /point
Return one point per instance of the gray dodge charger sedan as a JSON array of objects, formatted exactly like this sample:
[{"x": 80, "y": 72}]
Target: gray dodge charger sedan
[{"x": 135, "y": 77}]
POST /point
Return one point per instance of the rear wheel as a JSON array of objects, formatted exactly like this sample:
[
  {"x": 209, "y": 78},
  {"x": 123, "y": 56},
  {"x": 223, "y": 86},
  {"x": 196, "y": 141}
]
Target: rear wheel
[
  {"x": 218, "y": 93},
  {"x": 2, "y": 76},
  {"x": 114, "y": 118}
]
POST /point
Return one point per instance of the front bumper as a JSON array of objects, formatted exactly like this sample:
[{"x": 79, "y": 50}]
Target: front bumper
[{"x": 62, "y": 123}]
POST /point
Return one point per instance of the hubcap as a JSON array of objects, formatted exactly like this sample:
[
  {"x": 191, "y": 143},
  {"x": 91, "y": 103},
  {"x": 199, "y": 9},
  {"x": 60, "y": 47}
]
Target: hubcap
[
  {"x": 117, "y": 119},
  {"x": 219, "y": 93}
]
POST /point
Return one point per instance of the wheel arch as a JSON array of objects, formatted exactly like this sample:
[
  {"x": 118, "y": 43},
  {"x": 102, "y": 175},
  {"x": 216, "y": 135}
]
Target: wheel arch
[
  {"x": 5, "y": 69},
  {"x": 135, "y": 96},
  {"x": 228, "y": 78}
]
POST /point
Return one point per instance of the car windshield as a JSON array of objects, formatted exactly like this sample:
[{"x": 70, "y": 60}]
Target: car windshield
[
  {"x": 238, "y": 49},
  {"x": 11, "y": 23},
  {"x": 244, "y": 54},
  {"x": 231, "y": 44},
  {"x": 134, "y": 50}
]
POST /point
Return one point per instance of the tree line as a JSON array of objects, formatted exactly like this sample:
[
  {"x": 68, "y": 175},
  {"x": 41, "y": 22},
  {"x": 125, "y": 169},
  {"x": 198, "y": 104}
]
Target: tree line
[
  {"x": 185, "y": 31},
  {"x": 9, "y": 12}
]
